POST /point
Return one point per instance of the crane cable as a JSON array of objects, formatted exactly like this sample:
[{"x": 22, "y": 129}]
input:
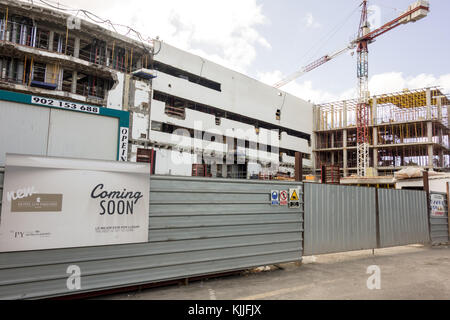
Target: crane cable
[{"x": 324, "y": 40}]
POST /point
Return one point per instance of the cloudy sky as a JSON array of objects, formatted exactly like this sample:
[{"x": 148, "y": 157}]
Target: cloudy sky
[{"x": 269, "y": 39}]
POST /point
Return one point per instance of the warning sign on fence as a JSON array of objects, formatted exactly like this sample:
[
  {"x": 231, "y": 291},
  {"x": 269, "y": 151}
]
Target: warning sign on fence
[
  {"x": 284, "y": 197},
  {"x": 294, "y": 198},
  {"x": 437, "y": 205},
  {"x": 275, "y": 197}
]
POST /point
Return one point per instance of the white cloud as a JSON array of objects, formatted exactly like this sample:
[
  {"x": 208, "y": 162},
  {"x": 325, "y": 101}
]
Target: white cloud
[
  {"x": 311, "y": 21},
  {"x": 304, "y": 90},
  {"x": 378, "y": 84},
  {"x": 222, "y": 31},
  {"x": 396, "y": 81}
]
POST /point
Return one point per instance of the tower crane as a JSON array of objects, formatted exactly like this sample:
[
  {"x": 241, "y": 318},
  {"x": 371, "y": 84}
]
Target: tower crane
[{"x": 415, "y": 12}]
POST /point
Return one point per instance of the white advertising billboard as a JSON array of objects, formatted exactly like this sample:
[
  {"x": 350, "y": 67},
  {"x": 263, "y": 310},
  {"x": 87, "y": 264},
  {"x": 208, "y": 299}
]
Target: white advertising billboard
[{"x": 51, "y": 203}]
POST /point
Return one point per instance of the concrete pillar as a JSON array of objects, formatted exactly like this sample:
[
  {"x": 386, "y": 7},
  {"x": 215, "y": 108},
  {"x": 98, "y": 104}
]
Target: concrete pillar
[
  {"x": 320, "y": 119},
  {"x": 430, "y": 131},
  {"x": 402, "y": 158},
  {"x": 298, "y": 173},
  {"x": 448, "y": 115},
  {"x": 224, "y": 170},
  {"x": 441, "y": 158},
  {"x": 345, "y": 155},
  {"x": 11, "y": 69},
  {"x": 60, "y": 79},
  {"x": 344, "y": 115},
  {"x": 14, "y": 34},
  {"x": 3, "y": 69},
  {"x": 439, "y": 105},
  {"x": 374, "y": 111},
  {"x": 51, "y": 38},
  {"x": 332, "y": 117},
  {"x": 138, "y": 64},
  {"x": 441, "y": 151},
  {"x": 126, "y": 92},
  {"x": 332, "y": 146},
  {"x": 214, "y": 170},
  {"x": 428, "y": 104},
  {"x": 315, "y": 118},
  {"x": 74, "y": 82},
  {"x": 375, "y": 150},
  {"x": 20, "y": 71},
  {"x": 430, "y": 156},
  {"x": 430, "y": 140},
  {"x": 76, "y": 49},
  {"x": 314, "y": 153}
]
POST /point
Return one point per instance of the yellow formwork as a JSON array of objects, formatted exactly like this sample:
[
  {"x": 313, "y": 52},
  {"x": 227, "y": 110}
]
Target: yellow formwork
[
  {"x": 406, "y": 106},
  {"x": 410, "y": 99}
]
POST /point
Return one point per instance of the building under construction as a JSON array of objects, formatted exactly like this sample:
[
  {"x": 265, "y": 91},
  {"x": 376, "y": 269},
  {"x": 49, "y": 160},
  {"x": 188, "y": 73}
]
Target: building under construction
[
  {"x": 190, "y": 116},
  {"x": 69, "y": 85},
  {"x": 408, "y": 128}
]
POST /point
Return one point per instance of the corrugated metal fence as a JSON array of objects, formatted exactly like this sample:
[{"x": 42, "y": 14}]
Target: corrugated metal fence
[
  {"x": 339, "y": 218},
  {"x": 197, "y": 227},
  {"x": 403, "y": 217},
  {"x": 439, "y": 225},
  {"x": 204, "y": 226},
  {"x": 345, "y": 218}
]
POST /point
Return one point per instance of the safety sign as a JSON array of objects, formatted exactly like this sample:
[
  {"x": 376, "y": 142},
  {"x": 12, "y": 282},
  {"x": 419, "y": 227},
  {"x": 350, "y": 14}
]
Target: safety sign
[
  {"x": 275, "y": 197},
  {"x": 284, "y": 197},
  {"x": 294, "y": 198}
]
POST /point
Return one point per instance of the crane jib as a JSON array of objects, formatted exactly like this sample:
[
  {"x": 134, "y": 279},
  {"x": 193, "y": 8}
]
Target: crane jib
[{"x": 417, "y": 11}]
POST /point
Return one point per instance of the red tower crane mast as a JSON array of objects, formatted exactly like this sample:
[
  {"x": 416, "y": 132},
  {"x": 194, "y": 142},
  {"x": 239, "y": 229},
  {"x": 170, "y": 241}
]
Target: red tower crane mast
[
  {"x": 362, "y": 109},
  {"x": 415, "y": 12}
]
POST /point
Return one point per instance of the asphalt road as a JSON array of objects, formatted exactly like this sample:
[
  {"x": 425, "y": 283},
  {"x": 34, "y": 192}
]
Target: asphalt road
[{"x": 410, "y": 272}]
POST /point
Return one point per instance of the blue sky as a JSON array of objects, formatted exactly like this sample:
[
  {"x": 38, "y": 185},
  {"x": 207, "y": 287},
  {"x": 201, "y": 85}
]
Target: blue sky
[{"x": 269, "y": 39}]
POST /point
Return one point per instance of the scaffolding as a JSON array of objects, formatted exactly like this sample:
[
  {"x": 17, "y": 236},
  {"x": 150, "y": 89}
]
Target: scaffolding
[
  {"x": 22, "y": 67},
  {"x": 405, "y": 128}
]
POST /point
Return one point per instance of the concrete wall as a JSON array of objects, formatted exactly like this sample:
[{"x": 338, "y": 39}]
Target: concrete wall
[
  {"x": 176, "y": 163},
  {"x": 439, "y": 185},
  {"x": 206, "y": 122},
  {"x": 436, "y": 185},
  {"x": 239, "y": 94},
  {"x": 115, "y": 96}
]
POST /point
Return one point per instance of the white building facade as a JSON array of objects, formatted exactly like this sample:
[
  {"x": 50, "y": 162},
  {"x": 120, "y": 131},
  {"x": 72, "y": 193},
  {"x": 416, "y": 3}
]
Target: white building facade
[
  {"x": 186, "y": 112},
  {"x": 234, "y": 124}
]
